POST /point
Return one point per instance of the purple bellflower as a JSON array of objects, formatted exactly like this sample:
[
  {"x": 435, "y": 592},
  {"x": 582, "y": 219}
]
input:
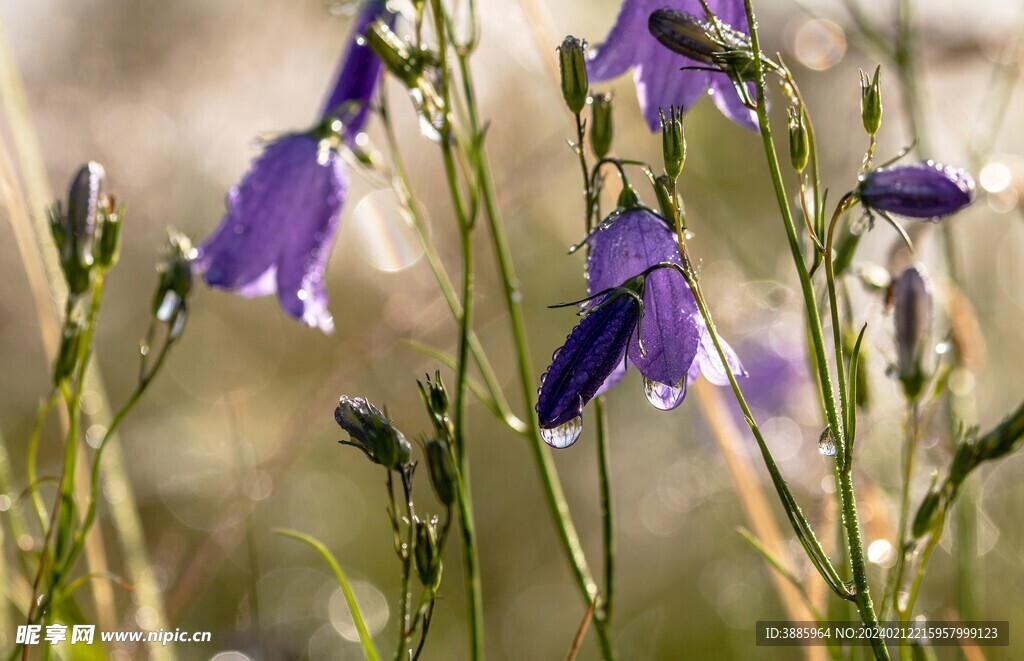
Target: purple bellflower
[
  {"x": 665, "y": 338},
  {"x": 925, "y": 190},
  {"x": 281, "y": 220},
  {"x": 656, "y": 69}
]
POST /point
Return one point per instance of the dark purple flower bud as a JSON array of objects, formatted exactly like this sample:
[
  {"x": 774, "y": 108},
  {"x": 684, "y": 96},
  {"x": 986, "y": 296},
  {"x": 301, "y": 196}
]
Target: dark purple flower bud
[
  {"x": 281, "y": 220},
  {"x": 590, "y": 354},
  {"x": 83, "y": 205},
  {"x": 372, "y": 432},
  {"x": 659, "y": 81},
  {"x": 912, "y": 315},
  {"x": 924, "y": 190}
]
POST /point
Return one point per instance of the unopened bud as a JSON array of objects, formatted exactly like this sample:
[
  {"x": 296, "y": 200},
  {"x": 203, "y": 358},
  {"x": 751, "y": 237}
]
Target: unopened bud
[
  {"x": 601, "y": 124},
  {"x": 684, "y": 33},
  {"x": 170, "y": 301},
  {"x": 393, "y": 53},
  {"x": 912, "y": 314},
  {"x": 83, "y": 203},
  {"x": 428, "y": 553},
  {"x": 69, "y": 352},
  {"x": 372, "y": 432},
  {"x": 871, "y": 101},
  {"x": 441, "y": 469},
  {"x": 572, "y": 63},
  {"x": 108, "y": 242},
  {"x": 673, "y": 142},
  {"x": 798, "y": 143}
]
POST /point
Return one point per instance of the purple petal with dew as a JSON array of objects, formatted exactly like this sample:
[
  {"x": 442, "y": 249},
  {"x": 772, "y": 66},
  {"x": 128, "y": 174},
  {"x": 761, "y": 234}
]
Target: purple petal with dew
[
  {"x": 279, "y": 227},
  {"x": 358, "y": 74},
  {"x": 626, "y": 247},
  {"x": 590, "y": 354}
]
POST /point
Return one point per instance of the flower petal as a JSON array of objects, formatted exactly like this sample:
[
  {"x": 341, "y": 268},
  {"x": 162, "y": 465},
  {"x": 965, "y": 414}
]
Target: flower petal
[
  {"x": 619, "y": 51},
  {"x": 279, "y": 227},
  {"x": 709, "y": 362},
  {"x": 725, "y": 96},
  {"x": 590, "y": 354}
]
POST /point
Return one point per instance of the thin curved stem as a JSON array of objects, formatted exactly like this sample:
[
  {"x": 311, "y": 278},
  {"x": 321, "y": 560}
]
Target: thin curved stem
[
  {"x": 850, "y": 520},
  {"x": 607, "y": 515}
]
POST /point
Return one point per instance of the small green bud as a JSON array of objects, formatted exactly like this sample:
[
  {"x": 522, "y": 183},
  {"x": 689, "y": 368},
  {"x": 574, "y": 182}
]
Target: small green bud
[
  {"x": 69, "y": 352},
  {"x": 572, "y": 63},
  {"x": 798, "y": 144},
  {"x": 673, "y": 142},
  {"x": 170, "y": 301},
  {"x": 601, "y": 124},
  {"x": 871, "y": 101},
  {"x": 435, "y": 399},
  {"x": 108, "y": 242},
  {"x": 441, "y": 469},
  {"x": 628, "y": 199},
  {"x": 427, "y": 553},
  {"x": 372, "y": 432}
]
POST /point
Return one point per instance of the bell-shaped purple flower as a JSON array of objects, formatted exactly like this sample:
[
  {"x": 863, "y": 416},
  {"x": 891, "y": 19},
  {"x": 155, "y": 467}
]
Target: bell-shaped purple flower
[
  {"x": 666, "y": 338},
  {"x": 656, "y": 69},
  {"x": 673, "y": 347},
  {"x": 281, "y": 220},
  {"x": 925, "y": 190}
]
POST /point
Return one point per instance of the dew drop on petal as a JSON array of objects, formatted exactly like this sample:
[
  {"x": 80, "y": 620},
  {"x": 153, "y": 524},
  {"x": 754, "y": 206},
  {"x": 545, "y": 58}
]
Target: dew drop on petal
[
  {"x": 563, "y": 435},
  {"x": 664, "y": 397},
  {"x": 827, "y": 443}
]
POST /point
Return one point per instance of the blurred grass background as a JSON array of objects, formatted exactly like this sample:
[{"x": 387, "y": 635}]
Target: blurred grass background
[{"x": 238, "y": 433}]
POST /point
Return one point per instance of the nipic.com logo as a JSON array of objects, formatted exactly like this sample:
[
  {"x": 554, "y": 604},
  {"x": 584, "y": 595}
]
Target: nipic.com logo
[{"x": 85, "y": 634}]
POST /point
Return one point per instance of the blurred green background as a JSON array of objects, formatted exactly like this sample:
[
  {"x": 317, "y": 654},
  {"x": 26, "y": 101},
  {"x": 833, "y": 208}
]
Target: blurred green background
[{"x": 237, "y": 435}]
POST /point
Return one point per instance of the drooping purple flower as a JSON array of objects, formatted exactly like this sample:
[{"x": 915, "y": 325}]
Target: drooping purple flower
[
  {"x": 281, "y": 220},
  {"x": 925, "y": 190},
  {"x": 671, "y": 348},
  {"x": 656, "y": 69}
]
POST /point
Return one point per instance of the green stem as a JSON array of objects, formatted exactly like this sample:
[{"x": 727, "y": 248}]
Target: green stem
[
  {"x": 471, "y": 562},
  {"x": 850, "y": 520},
  {"x": 607, "y": 520},
  {"x": 553, "y": 494}
]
